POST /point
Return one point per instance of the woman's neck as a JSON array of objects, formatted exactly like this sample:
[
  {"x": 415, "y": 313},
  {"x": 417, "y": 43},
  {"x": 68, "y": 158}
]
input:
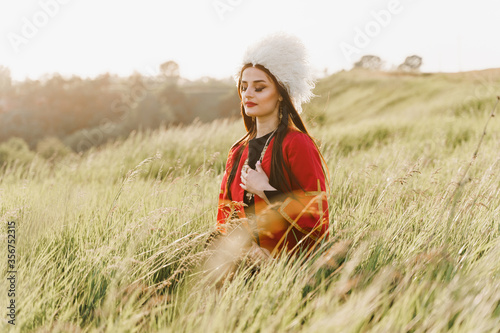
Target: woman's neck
[{"x": 266, "y": 125}]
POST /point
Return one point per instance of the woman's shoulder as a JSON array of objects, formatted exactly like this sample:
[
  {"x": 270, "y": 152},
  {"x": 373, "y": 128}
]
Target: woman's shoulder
[
  {"x": 233, "y": 151},
  {"x": 235, "y": 147},
  {"x": 295, "y": 136}
]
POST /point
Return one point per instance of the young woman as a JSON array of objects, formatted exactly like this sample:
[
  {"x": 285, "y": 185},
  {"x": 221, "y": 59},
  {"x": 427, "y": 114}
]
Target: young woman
[{"x": 275, "y": 179}]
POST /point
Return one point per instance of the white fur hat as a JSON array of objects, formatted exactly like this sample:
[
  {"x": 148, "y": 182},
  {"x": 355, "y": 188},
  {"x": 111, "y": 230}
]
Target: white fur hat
[{"x": 285, "y": 56}]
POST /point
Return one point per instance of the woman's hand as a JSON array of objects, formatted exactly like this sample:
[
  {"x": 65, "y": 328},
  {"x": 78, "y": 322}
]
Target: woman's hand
[{"x": 256, "y": 181}]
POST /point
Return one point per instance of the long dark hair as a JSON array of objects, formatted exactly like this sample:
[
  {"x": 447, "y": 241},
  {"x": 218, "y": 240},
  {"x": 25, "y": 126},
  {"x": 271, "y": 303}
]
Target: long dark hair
[{"x": 290, "y": 118}]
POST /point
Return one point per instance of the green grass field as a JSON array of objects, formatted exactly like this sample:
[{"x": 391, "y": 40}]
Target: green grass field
[{"x": 112, "y": 240}]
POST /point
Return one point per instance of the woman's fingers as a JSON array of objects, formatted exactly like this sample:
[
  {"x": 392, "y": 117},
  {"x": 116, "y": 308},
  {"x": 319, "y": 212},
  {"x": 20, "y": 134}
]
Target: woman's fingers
[
  {"x": 244, "y": 175},
  {"x": 243, "y": 179},
  {"x": 252, "y": 181}
]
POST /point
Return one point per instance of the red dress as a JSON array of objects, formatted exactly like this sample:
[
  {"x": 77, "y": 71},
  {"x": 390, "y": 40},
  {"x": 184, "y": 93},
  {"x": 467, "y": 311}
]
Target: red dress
[{"x": 305, "y": 209}]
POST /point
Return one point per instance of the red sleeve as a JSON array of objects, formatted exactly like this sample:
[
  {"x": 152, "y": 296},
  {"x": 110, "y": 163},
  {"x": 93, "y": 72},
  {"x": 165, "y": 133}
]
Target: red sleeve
[{"x": 307, "y": 207}]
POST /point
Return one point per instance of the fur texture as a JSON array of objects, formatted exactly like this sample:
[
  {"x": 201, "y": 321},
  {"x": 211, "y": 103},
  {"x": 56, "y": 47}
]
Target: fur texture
[{"x": 286, "y": 57}]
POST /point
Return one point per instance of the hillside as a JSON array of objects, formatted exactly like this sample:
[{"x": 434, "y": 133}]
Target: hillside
[{"x": 356, "y": 95}]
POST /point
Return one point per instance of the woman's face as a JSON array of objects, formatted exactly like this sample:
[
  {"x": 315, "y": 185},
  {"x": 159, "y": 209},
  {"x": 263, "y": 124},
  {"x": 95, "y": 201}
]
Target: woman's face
[{"x": 259, "y": 94}]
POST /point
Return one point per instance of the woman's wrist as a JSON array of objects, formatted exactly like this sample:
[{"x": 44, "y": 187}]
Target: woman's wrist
[
  {"x": 262, "y": 194},
  {"x": 269, "y": 188}
]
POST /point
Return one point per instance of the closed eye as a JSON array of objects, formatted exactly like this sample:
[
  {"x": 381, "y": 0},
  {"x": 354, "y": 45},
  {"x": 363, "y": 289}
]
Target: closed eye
[{"x": 257, "y": 89}]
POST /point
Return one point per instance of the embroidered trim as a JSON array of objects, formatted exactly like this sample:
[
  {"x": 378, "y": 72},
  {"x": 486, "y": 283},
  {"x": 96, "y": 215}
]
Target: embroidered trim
[
  {"x": 293, "y": 222},
  {"x": 320, "y": 203}
]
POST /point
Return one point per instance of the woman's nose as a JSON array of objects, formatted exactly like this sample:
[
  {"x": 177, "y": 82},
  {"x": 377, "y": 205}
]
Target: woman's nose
[{"x": 248, "y": 92}]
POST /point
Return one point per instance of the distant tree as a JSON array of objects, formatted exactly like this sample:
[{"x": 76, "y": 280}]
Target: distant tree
[
  {"x": 148, "y": 111},
  {"x": 178, "y": 102},
  {"x": 83, "y": 113},
  {"x": 411, "y": 64},
  {"x": 229, "y": 104},
  {"x": 170, "y": 71},
  {"x": 369, "y": 62},
  {"x": 137, "y": 89}
]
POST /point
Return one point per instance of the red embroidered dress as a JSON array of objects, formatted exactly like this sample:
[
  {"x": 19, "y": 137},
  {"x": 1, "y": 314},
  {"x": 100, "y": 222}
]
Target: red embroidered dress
[{"x": 305, "y": 209}]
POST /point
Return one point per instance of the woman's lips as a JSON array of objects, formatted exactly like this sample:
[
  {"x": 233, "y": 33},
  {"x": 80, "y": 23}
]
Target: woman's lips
[{"x": 250, "y": 104}]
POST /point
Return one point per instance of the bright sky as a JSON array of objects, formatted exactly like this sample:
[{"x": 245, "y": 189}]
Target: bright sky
[{"x": 208, "y": 37}]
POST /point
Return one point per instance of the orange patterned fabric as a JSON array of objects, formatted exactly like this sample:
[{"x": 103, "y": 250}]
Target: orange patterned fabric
[{"x": 301, "y": 217}]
